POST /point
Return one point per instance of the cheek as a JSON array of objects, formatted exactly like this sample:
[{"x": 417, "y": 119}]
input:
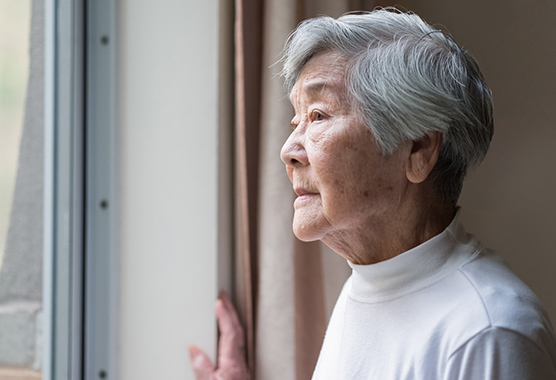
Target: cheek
[
  {"x": 339, "y": 186},
  {"x": 341, "y": 168},
  {"x": 358, "y": 180},
  {"x": 354, "y": 171}
]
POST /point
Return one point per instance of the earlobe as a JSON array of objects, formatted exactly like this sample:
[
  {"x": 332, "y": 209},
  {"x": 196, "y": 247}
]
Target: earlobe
[{"x": 423, "y": 156}]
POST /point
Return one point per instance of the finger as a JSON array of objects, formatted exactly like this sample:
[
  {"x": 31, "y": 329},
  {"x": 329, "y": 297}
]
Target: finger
[
  {"x": 202, "y": 366},
  {"x": 232, "y": 342},
  {"x": 232, "y": 313}
]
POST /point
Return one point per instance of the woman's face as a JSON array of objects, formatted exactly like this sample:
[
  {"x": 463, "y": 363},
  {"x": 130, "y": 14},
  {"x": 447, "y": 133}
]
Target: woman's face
[{"x": 341, "y": 179}]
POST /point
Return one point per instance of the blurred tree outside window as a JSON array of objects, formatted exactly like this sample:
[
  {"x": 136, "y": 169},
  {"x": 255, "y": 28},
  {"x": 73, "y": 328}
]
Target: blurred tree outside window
[
  {"x": 15, "y": 18},
  {"x": 21, "y": 187}
]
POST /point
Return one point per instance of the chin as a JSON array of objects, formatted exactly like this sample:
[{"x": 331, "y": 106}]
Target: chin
[
  {"x": 307, "y": 232},
  {"x": 305, "y": 238}
]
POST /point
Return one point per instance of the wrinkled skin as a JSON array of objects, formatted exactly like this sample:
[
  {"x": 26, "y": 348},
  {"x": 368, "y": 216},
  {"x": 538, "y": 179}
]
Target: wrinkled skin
[
  {"x": 366, "y": 206},
  {"x": 232, "y": 364}
]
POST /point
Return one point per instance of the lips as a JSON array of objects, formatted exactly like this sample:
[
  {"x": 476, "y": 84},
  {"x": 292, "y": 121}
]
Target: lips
[
  {"x": 300, "y": 191},
  {"x": 304, "y": 195}
]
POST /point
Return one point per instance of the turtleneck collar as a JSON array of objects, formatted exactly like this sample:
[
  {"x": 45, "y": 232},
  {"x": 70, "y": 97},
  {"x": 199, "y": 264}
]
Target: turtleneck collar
[{"x": 415, "y": 269}]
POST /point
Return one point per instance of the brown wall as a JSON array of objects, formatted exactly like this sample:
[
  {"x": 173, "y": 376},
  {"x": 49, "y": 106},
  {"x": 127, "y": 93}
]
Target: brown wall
[{"x": 510, "y": 201}]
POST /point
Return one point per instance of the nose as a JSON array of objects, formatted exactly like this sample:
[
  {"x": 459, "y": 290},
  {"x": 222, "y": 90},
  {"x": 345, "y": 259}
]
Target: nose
[{"x": 293, "y": 152}]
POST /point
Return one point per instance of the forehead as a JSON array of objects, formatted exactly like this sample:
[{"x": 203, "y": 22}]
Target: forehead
[{"x": 324, "y": 74}]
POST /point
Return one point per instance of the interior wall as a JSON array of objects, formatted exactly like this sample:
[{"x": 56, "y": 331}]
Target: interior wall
[{"x": 509, "y": 201}]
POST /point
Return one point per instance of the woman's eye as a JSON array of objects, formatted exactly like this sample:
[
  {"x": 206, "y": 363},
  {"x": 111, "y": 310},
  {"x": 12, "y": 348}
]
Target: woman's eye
[
  {"x": 317, "y": 116},
  {"x": 294, "y": 126}
]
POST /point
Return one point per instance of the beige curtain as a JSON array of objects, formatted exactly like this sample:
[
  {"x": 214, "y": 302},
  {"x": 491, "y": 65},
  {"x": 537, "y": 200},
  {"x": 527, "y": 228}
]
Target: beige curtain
[{"x": 284, "y": 289}]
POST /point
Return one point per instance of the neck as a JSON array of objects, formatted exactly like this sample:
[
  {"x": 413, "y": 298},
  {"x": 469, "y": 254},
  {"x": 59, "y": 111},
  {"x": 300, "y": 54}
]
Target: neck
[{"x": 391, "y": 234}]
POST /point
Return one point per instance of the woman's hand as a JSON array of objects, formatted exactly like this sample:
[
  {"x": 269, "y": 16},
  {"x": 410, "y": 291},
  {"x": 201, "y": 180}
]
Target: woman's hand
[{"x": 232, "y": 363}]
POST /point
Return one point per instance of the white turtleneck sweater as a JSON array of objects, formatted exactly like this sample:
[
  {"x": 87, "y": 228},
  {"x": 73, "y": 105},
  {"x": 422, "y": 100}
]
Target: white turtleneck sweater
[{"x": 447, "y": 309}]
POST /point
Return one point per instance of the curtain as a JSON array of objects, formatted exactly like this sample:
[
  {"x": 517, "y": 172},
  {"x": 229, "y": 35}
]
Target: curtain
[{"x": 284, "y": 289}]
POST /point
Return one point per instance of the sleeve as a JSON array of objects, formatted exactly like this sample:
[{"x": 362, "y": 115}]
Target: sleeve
[{"x": 498, "y": 353}]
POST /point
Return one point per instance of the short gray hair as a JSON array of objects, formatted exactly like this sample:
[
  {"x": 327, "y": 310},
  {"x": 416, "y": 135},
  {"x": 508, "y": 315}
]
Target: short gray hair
[{"x": 407, "y": 79}]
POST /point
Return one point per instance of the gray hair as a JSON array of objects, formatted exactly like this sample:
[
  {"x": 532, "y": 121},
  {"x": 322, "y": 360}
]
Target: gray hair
[{"x": 407, "y": 79}]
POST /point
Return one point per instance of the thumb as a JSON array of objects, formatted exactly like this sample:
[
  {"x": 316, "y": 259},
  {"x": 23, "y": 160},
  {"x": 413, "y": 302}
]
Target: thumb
[{"x": 201, "y": 363}]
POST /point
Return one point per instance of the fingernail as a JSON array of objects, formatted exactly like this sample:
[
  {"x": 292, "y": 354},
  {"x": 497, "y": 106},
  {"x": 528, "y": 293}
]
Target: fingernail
[
  {"x": 223, "y": 294},
  {"x": 219, "y": 304},
  {"x": 193, "y": 351},
  {"x": 195, "y": 355}
]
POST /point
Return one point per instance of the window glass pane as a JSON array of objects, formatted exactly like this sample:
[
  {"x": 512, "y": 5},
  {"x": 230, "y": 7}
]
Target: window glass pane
[
  {"x": 15, "y": 16},
  {"x": 21, "y": 188}
]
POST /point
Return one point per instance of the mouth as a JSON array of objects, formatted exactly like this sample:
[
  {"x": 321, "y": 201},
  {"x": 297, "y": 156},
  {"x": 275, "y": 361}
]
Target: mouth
[
  {"x": 300, "y": 191},
  {"x": 305, "y": 197}
]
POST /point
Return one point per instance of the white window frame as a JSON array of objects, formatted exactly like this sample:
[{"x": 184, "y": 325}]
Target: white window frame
[{"x": 80, "y": 260}]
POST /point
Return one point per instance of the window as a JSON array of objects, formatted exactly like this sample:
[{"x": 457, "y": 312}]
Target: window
[{"x": 69, "y": 220}]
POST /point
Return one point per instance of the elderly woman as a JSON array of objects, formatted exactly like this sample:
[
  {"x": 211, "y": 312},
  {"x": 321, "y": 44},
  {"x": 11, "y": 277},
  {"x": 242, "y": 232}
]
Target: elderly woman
[{"x": 389, "y": 115}]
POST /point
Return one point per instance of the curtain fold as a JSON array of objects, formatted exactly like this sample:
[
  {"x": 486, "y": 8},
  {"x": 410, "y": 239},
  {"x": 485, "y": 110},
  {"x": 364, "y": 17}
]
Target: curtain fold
[
  {"x": 247, "y": 79},
  {"x": 284, "y": 288}
]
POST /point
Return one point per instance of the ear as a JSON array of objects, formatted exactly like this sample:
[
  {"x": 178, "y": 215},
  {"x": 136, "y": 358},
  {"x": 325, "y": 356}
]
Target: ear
[{"x": 423, "y": 157}]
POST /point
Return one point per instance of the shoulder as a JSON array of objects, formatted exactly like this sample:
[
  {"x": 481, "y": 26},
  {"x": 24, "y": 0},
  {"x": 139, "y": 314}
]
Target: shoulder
[
  {"x": 505, "y": 332},
  {"x": 507, "y": 302},
  {"x": 499, "y": 353},
  {"x": 514, "y": 320}
]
